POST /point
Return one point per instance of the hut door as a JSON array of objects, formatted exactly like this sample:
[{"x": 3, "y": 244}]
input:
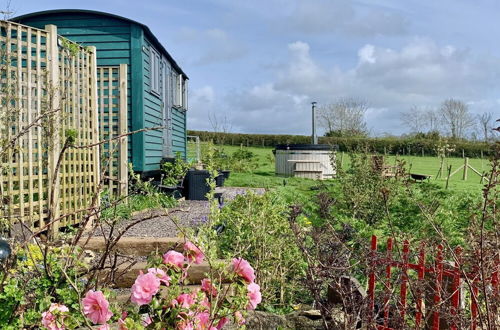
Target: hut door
[{"x": 167, "y": 110}]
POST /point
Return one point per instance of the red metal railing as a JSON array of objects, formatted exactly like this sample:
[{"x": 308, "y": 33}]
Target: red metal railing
[{"x": 438, "y": 271}]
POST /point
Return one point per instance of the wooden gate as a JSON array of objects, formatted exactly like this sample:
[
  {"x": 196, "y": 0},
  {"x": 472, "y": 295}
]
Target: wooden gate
[
  {"x": 48, "y": 106},
  {"x": 112, "y": 83}
]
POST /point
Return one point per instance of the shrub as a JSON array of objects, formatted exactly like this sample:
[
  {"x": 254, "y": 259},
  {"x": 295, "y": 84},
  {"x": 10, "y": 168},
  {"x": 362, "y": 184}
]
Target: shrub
[
  {"x": 412, "y": 145},
  {"x": 35, "y": 282},
  {"x": 256, "y": 228},
  {"x": 242, "y": 160},
  {"x": 174, "y": 172}
]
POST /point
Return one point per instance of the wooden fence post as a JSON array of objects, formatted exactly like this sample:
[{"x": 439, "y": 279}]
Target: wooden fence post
[
  {"x": 466, "y": 166},
  {"x": 448, "y": 177},
  {"x": 123, "y": 128},
  {"x": 53, "y": 154}
]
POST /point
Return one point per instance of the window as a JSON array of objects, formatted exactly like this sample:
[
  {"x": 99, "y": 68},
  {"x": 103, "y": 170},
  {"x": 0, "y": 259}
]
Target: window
[
  {"x": 177, "y": 80},
  {"x": 155, "y": 71}
]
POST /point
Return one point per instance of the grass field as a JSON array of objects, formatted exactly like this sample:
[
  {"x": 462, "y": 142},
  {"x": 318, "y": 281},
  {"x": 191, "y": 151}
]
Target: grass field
[{"x": 264, "y": 175}]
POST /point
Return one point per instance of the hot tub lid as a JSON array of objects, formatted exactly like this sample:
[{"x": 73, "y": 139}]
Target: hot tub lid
[{"x": 305, "y": 146}]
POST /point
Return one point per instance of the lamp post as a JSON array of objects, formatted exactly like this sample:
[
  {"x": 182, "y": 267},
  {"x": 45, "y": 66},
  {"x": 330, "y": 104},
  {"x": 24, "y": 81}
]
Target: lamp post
[{"x": 314, "y": 137}]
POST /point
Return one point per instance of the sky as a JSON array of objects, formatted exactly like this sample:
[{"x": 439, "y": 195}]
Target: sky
[{"x": 257, "y": 65}]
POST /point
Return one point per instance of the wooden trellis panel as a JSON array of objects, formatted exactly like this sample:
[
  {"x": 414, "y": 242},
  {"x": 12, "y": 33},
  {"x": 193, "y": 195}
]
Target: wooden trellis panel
[
  {"x": 48, "y": 105},
  {"x": 112, "y": 83}
]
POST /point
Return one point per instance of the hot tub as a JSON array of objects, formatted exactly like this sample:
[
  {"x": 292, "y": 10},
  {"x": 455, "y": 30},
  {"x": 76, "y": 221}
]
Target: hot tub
[{"x": 312, "y": 161}]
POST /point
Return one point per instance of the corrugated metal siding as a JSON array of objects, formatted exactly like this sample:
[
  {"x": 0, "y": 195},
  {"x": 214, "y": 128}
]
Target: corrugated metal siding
[
  {"x": 153, "y": 117},
  {"x": 179, "y": 132},
  {"x": 110, "y": 36}
]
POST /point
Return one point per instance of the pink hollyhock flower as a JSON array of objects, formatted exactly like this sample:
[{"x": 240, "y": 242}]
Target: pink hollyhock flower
[
  {"x": 164, "y": 278},
  {"x": 222, "y": 323},
  {"x": 185, "y": 300},
  {"x": 254, "y": 295},
  {"x": 243, "y": 269},
  {"x": 96, "y": 307},
  {"x": 193, "y": 253},
  {"x": 208, "y": 287},
  {"x": 144, "y": 288},
  {"x": 173, "y": 258},
  {"x": 52, "y": 319},
  {"x": 239, "y": 318}
]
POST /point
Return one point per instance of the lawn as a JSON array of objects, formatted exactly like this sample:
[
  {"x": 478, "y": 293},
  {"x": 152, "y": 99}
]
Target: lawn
[{"x": 264, "y": 175}]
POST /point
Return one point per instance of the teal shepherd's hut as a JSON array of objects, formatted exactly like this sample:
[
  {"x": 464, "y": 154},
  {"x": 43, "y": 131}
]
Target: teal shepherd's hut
[{"x": 157, "y": 86}]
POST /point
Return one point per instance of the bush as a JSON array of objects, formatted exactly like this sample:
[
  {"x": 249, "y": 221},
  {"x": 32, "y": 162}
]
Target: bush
[
  {"x": 29, "y": 288},
  {"x": 256, "y": 228},
  {"x": 408, "y": 145},
  {"x": 242, "y": 160}
]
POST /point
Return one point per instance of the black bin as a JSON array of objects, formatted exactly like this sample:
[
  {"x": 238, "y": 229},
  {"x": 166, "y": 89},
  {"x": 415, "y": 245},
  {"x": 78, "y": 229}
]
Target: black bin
[{"x": 195, "y": 185}]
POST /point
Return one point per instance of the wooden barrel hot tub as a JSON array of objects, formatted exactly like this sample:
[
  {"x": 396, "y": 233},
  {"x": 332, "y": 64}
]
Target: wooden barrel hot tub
[{"x": 312, "y": 161}]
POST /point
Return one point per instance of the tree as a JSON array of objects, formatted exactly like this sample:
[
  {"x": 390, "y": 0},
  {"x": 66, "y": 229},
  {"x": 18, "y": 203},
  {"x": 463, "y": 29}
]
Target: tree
[
  {"x": 456, "y": 117},
  {"x": 414, "y": 119},
  {"x": 345, "y": 117},
  {"x": 421, "y": 120},
  {"x": 485, "y": 124}
]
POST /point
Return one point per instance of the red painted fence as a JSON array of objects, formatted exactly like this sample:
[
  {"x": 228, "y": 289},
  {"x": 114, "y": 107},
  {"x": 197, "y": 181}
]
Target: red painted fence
[{"x": 451, "y": 298}]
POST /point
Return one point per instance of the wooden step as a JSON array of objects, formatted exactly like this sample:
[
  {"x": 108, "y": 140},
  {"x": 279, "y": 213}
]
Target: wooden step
[
  {"x": 127, "y": 276},
  {"x": 135, "y": 246}
]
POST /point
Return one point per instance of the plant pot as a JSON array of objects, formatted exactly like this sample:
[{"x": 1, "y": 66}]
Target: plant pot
[
  {"x": 195, "y": 185},
  {"x": 219, "y": 180}
]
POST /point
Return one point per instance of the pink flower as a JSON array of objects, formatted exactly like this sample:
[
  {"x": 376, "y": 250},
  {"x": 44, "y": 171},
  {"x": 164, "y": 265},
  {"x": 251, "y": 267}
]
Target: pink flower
[
  {"x": 239, "y": 318},
  {"x": 243, "y": 269},
  {"x": 146, "y": 321},
  {"x": 208, "y": 287},
  {"x": 144, "y": 288},
  {"x": 121, "y": 321},
  {"x": 193, "y": 253},
  {"x": 96, "y": 307},
  {"x": 104, "y": 327},
  {"x": 203, "y": 320},
  {"x": 254, "y": 295},
  {"x": 205, "y": 303},
  {"x": 185, "y": 325},
  {"x": 222, "y": 323},
  {"x": 185, "y": 300},
  {"x": 164, "y": 278},
  {"x": 53, "y": 319},
  {"x": 173, "y": 258}
]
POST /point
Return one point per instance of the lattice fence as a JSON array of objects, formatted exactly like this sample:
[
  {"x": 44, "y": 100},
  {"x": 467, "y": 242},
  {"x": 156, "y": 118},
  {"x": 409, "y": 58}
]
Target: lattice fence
[
  {"x": 112, "y": 83},
  {"x": 48, "y": 106}
]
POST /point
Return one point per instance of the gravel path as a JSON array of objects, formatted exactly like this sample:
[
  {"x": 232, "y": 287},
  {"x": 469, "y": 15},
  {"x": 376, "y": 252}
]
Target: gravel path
[{"x": 187, "y": 214}]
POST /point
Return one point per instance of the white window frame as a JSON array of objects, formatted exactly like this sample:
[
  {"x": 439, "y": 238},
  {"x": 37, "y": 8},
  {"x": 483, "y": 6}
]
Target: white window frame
[
  {"x": 177, "y": 89},
  {"x": 155, "y": 71}
]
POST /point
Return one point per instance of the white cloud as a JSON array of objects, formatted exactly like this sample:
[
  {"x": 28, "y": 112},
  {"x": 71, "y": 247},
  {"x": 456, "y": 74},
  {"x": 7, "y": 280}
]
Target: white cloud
[
  {"x": 211, "y": 46},
  {"x": 342, "y": 16},
  {"x": 390, "y": 80}
]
